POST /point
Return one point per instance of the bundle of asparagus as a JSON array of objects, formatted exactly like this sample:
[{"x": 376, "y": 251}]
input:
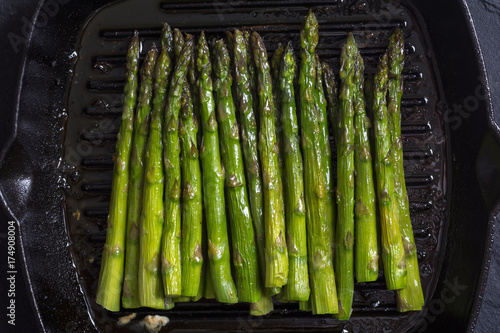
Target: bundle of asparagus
[{"x": 262, "y": 153}]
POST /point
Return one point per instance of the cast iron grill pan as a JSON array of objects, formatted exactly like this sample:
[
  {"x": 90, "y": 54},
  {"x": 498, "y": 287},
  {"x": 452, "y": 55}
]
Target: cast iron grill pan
[{"x": 94, "y": 110}]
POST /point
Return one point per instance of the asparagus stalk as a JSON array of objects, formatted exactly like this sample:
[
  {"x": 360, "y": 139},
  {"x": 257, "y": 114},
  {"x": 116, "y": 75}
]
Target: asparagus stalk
[
  {"x": 149, "y": 161},
  {"x": 252, "y": 160},
  {"x": 191, "y": 242},
  {"x": 393, "y": 253},
  {"x": 344, "y": 255},
  {"x": 113, "y": 256},
  {"x": 130, "y": 297},
  {"x": 276, "y": 251},
  {"x": 162, "y": 72},
  {"x": 411, "y": 297},
  {"x": 327, "y": 151},
  {"x": 366, "y": 247},
  {"x": 245, "y": 260},
  {"x": 297, "y": 288},
  {"x": 325, "y": 137},
  {"x": 178, "y": 44},
  {"x": 245, "y": 88},
  {"x": 321, "y": 273},
  {"x": 171, "y": 237},
  {"x": 213, "y": 184},
  {"x": 167, "y": 41}
]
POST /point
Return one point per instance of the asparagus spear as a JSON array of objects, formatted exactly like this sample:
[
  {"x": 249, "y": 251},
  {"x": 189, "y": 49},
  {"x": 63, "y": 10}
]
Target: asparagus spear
[
  {"x": 178, "y": 44},
  {"x": 244, "y": 250},
  {"x": 162, "y": 71},
  {"x": 319, "y": 243},
  {"x": 297, "y": 288},
  {"x": 393, "y": 254},
  {"x": 192, "y": 254},
  {"x": 171, "y": 237},
  {"x": 167, "y": 41},
  {"x": 245, "y": 87},
  {"x": 213, "y": 184},
  {"x": 192, "y": 212},
  {"x": 276, "y": 251},
  {"x": 258, "y": 223},
  {"x": 130, "y": 297},
  {"x": 344, "y": 255},
  {"x": 146, "y": 162},
  {"x": 113, "y": 256},
  {"x": 326, "y": 149},
  {"x": 366, "y": 249},
  {"x": 411, "y": 297}
]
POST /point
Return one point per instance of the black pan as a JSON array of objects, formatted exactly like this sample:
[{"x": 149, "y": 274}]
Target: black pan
[{"x": 55, "y": 175}]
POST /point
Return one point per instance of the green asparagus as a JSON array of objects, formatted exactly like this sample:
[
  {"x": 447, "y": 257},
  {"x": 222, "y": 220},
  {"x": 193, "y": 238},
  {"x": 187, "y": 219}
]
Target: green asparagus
[
  {"x": 365, "y": 211},
  {"x": 154, "y": 187},
  {"x": 113, "y": 256},
  {"x": 246, "y": 107},
  {"x": 344, "y": 251},
  {"x": 245, "y": 260},
  {"x": 393, "y": 253},
  {"x": 276, "y": 250},
  {"x": 167, "y": 41},
  {"x": 409, "y": 298},
  {"x": 191, "y": 242},
  {"x": 297, "y": 288},
  {"x": 319, "y": 243},
  {"x": 213, "y": 184},
  {"x": 171, "y": 237},
  {"x": 150, "y": 284},
  {"x": 178, "y": 44},
  {"x": 130, "y": 297},
  {"x": 321, "y": 104}
]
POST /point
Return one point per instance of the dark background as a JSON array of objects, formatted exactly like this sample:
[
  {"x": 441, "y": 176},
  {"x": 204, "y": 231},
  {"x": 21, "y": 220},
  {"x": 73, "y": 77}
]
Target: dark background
[{"x": 486, "y": 16}]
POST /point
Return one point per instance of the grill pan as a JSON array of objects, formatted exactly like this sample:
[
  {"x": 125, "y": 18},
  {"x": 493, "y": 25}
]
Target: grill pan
[{"x": 59, "y": 165}]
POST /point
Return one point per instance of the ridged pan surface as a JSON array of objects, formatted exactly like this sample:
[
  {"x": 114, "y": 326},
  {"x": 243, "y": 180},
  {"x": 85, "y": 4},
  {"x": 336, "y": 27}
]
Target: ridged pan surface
[{"x": 94, "y": 109}]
